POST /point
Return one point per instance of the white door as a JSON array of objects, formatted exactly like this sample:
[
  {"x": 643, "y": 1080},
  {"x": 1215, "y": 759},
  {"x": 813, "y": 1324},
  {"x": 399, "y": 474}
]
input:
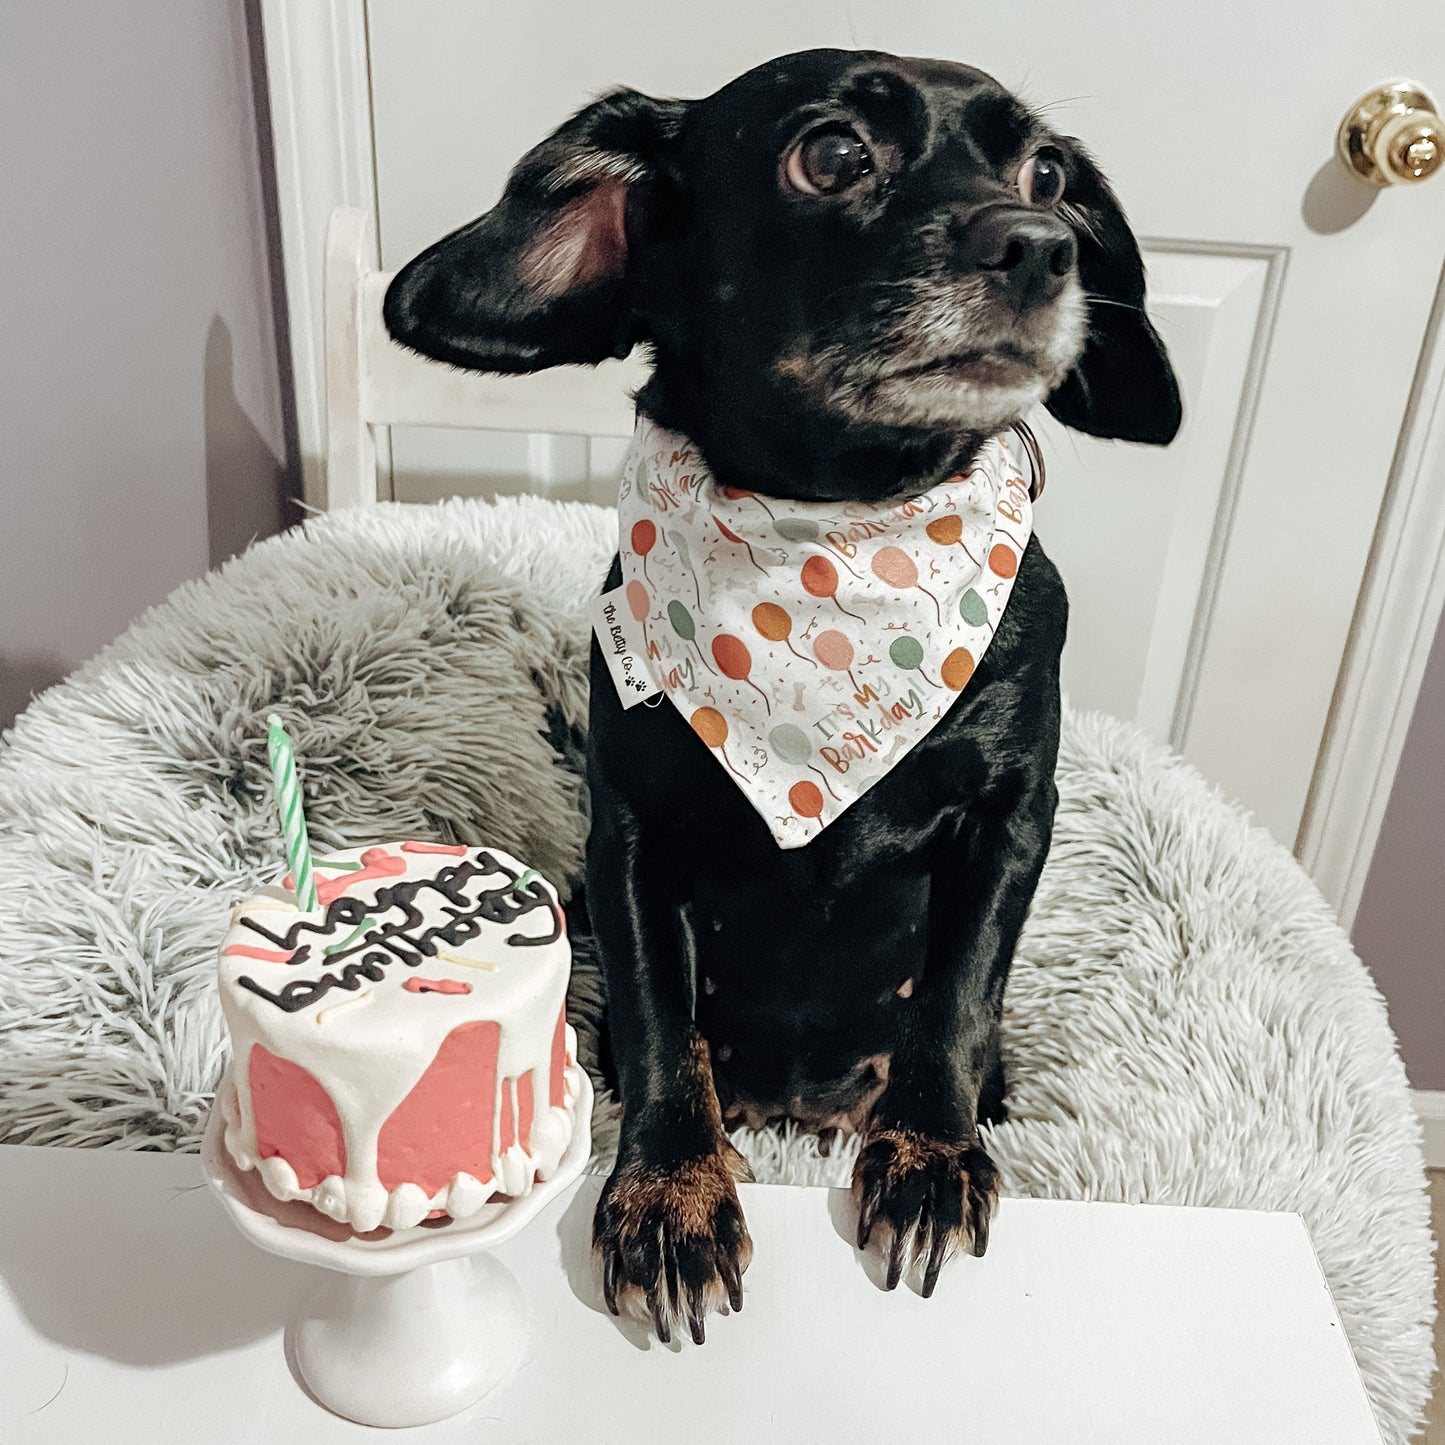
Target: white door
[{"x": 1213, "y": 583}]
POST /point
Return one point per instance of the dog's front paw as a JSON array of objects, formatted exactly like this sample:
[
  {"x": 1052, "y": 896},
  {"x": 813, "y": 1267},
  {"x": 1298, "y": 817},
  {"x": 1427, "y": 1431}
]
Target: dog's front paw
[
  {"x": 933, "y": 1196},
  {"x": 674, "y": 1240}
]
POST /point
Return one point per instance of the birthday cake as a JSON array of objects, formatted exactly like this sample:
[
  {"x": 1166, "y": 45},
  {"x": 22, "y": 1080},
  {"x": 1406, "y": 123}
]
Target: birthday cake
[{"x": 401, "y": 1051}]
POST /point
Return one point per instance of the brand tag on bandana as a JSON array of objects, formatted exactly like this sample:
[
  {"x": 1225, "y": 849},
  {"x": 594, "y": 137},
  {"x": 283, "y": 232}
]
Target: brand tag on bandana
[
  {"x": 619, "y": 634},
  {"x": 810, "y": 645}
]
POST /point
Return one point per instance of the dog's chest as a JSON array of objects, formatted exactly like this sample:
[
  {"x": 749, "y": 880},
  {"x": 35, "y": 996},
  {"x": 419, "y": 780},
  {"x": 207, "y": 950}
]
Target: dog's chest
[{"x": 762, "y": 942}]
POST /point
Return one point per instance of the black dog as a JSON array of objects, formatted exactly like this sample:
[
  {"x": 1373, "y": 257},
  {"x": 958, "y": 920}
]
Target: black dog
[{"x": 852, "y": 270}]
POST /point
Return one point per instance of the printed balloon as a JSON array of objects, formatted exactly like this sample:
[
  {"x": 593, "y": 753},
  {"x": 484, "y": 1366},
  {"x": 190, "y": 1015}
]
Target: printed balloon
[
  {"x": 644, "y": 537},
  {"x": 895, "y": 567},
  {"x": 637, "y": 601},
  {"x": 973, "y": 609},
  {"x": 807, "y": 801},
  {"x": 681, "y": 620},
  {"x": 710, "y": 725},
  {"x": 1003, "y": 560},
  {"x": 790, "y": 743},
  {"x": 957, "y": 669},
  {"x": 732, "y": 655},
  {"x": 834, "y": 650},
  {"x": 947, "y": 531},
  {"x": 906, "y": 653},
  {"x": 796, "y": 529},
  {"x": 772, "y": 622},
  {"x": 820, "y": 577}
]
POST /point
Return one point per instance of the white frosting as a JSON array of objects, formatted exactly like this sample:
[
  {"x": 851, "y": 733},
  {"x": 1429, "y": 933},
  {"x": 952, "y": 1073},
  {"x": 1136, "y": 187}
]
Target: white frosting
[{"x": 368, "y": 1041}]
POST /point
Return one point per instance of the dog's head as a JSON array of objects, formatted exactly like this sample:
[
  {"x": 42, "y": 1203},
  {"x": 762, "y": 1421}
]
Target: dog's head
[{"x": 851, "y": 267}]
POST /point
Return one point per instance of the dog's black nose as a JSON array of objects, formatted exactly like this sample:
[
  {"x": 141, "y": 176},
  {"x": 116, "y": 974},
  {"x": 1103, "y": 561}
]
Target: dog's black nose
[{"x": 1032, "y": 253}]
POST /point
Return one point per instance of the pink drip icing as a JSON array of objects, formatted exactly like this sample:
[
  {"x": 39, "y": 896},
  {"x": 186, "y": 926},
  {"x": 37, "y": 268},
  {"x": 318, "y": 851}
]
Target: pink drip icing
[
  {"x": 444, "y": 1125},
  {"x": 524, "y": 1110},
  {"x": 557, "y": 1088},
  {"x": 295, "y": 1118}
]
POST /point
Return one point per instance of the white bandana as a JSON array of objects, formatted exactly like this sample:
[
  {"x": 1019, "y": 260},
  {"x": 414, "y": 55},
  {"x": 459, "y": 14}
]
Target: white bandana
[{"x": 812, "y": 644}]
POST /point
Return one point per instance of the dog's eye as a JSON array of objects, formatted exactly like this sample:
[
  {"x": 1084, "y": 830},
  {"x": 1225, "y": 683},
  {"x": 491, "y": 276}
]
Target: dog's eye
[
  {"x": 827, "y": 161},
  {"x": 1041, "y": 177}
]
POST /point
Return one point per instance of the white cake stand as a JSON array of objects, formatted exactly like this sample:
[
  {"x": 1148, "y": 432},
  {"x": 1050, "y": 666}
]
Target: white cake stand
[{"x": 410, "y": 1325}]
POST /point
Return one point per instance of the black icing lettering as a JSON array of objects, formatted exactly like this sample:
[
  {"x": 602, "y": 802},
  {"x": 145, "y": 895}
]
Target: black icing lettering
[{"x": 399, "y": 940}]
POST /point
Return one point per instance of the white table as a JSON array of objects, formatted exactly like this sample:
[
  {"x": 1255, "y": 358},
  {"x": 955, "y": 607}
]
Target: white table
[{"x": 132, "y": 1311}]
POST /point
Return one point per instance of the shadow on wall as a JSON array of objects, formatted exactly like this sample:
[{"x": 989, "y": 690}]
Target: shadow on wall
[
  {"x": 21, "y": 678},
  {"x": 1335, "y": 199},
  {"x": 248, "y": 491},
  {"x": 276, "y": 266},
  {"x": 247, "y": 485}
]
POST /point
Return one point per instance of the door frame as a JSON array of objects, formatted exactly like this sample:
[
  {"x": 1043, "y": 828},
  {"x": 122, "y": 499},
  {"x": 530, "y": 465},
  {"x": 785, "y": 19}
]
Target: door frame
[
  {"x": 1396, "y": 619},
  {"x": 318, "y": 76},
  {"x": 318, "y": 72}
]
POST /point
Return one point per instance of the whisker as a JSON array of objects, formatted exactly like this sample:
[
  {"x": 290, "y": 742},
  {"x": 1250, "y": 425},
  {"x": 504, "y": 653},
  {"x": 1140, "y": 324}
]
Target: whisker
[
  {"x": 1096, "y": 300},
  {"x": 1080, "y": 221}
]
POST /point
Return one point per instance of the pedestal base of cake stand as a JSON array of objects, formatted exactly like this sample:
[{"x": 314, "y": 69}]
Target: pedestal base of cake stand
[
  {"x": 408, "y": 1349},
  {"x": 409, "y": 1326}
]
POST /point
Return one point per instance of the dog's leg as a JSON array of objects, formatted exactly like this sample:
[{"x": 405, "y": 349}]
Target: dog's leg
[
  {"x": 669, "y": 1228},
  {"x": 923, "y": 1172},
  {"x": 992, "y": 1105}
]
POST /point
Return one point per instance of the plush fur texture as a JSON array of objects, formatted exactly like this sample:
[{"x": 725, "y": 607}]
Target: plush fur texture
[{"x": 1185, "y": 1022}]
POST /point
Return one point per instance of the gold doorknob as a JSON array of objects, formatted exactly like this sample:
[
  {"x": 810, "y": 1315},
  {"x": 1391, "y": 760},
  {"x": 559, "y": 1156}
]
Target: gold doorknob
[{"x": 1393, "y": 136}]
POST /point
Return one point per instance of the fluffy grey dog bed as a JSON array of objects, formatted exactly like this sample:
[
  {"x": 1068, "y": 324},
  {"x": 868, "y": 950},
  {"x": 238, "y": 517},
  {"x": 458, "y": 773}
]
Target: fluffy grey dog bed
[{"x": 1185, "y": 1022}]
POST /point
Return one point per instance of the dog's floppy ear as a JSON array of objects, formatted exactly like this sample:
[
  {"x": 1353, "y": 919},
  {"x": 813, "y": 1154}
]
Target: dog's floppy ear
[
  {"x": 540, "y": 280},
  {"x": 1123, "y": 385}
]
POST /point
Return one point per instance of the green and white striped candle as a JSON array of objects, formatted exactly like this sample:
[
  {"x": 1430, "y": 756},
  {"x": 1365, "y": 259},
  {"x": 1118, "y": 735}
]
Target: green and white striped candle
[{"x": 293, "y": 819}]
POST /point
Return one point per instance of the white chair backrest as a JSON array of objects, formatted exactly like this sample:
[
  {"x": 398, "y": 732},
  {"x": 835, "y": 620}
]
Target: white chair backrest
[{"x": 372, "y": 383}]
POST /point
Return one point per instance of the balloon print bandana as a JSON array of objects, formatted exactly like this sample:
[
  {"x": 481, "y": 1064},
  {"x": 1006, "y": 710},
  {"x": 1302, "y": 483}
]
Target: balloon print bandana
[{"x": 812, "y": 644}]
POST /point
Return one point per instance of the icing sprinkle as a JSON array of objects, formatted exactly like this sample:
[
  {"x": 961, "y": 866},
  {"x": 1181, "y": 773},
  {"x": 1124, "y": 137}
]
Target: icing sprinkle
[
  {"x": 350, "y": 937},
  {"x": 265, "y": 955},
  {"x": 345, "y": 1003},
  {"x": 461, "y": 962},
  {"x": 242, "y": 909},
  {"x": 377, "y": 863},
  {"x": 436, "y": 985}
]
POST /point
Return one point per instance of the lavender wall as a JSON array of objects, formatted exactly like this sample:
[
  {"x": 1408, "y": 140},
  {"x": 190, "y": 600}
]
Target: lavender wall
[
  {"x": 140, "y": 398},
  {"x": 1400, "y": 928}
]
